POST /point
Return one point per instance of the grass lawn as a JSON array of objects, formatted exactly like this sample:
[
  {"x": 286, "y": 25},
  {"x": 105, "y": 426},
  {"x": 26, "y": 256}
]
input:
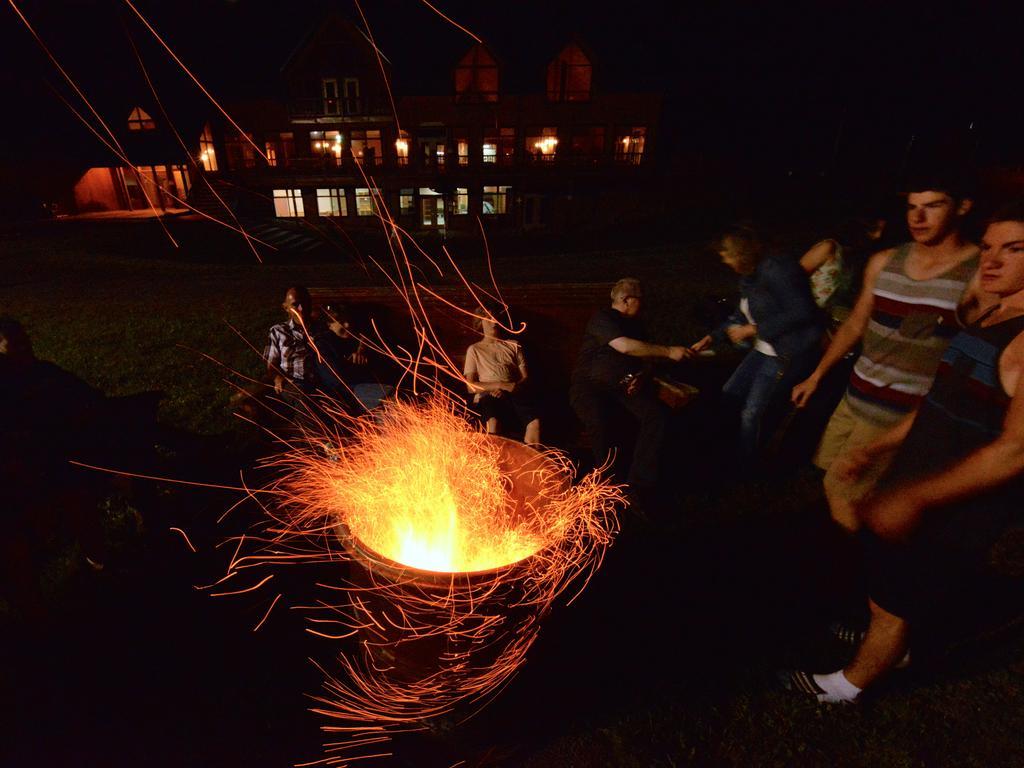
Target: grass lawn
[
  {"x": 664, "y": 660},
  {"x": 114, "y": 303}
]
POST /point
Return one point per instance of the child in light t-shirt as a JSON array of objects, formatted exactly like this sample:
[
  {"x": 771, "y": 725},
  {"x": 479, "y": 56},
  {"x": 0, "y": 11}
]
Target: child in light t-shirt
[{"x": 496, "y": 375}]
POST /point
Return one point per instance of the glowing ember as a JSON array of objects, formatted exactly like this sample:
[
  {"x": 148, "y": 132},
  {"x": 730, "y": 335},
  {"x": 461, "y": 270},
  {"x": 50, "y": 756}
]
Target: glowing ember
[{"x": 424, "y": 489}]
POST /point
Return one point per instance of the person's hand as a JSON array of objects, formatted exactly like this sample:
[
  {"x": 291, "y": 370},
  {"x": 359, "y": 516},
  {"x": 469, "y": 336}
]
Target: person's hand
[
  {"x": 850, "y": 466},
  {"x": 802, "y": 392},
  {"x": 279, "y": 384},
  {"x": 634, "y": 385},
  {"x": 738, "y": 333},
  {"x": 891, "y": 516},
  {"x": 701, "y": 345},
  {"x": 357, "y": 358},
  {"x": 676, "y": 354}
]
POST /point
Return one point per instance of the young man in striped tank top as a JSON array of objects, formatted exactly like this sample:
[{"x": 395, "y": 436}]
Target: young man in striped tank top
[
  {"x": 905, "y": 316},
  {"x": 956, "y": 482}
]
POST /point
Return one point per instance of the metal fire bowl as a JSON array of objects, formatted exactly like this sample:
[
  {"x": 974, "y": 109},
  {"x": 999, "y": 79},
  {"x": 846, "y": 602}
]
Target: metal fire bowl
[{"x": 521, "y": 467}]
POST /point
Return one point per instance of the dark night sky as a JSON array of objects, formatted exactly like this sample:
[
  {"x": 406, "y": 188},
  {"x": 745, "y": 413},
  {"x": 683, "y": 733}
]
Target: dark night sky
[{"x": 751, "y": 80}]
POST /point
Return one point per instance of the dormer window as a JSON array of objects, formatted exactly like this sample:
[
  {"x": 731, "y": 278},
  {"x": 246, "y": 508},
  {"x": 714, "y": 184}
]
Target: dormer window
[
  {"x": 569, "y": 75},
  {"x": 139, "y": 120},
  {"x": 207, "y": 153},
  {"x": 353, "y": 102},
  {"x": 329, "y": 91},
  {"x": 476, "y": 77}
]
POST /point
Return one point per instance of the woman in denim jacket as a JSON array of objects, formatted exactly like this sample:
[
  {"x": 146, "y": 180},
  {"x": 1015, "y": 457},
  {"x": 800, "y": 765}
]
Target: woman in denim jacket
[{"x": 778, "y": 320}]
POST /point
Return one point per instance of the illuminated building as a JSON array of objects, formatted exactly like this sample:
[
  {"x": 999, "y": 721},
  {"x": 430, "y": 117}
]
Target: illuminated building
[{"x": 560, "y": 152}]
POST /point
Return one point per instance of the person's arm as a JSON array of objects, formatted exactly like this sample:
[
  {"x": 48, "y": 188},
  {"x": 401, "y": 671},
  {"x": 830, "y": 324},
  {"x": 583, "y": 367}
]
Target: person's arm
[
  {"x": 850, "y": 332},
  {"x": 726, "y": 331},
  {"x": 272, "y": 356},
  {"x": 637, "y": 348},
  {"x": 894, "y": 514},
  {"x": 819, "y": 254},
  {"x": 470, "y": 374},
  {"x": 852, "y": 464},
  {"x": 524, "y": 371}
]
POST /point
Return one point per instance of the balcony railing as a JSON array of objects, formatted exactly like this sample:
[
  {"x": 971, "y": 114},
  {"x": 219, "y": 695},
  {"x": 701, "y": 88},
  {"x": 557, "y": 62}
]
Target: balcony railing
[
  {"x": 313, "y": 106},
  {"x": 329, "y": 163}
]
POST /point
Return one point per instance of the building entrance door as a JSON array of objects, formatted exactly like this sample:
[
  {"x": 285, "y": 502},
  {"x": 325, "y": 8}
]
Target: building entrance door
[{"x": 432, "y": 211}]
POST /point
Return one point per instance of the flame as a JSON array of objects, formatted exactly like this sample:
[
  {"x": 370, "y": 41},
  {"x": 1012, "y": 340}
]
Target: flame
[{"x": 426, "y": 490}]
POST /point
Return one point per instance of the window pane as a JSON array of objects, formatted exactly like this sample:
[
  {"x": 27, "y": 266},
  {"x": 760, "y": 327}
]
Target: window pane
[
  {"x": 331, "y": 202},
  {"x": 461, "y": 201},
  {"x": 288, "y": 203},
  {"x": 495, "y": 200},
  {"x": 542, "y": 145},
  {"x": 366, "y": 205},
  {"x": 406, "y": 204},
  {"x": 629, "y": 145}
]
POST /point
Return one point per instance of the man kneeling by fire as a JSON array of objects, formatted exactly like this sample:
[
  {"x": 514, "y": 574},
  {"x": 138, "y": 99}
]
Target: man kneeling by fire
[{"x": 956, "y": 481}]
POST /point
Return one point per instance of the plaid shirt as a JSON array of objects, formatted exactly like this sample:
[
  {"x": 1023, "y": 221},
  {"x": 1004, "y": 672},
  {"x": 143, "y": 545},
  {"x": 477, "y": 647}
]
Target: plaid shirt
[{"x": 288, "y": 351}]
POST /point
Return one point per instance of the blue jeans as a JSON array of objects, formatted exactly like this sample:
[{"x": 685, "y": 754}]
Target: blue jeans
[{"x": 760, "y": 385}]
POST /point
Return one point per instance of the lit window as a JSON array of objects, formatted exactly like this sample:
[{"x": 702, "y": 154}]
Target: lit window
[
  {"x": 327, "y": 144},
  {"x": 476, "y": 77},
  {"x": 406, "y": 202},
  {"x": 207, "y": 154},
  {"x": 288, "y": 203},
  {"x": 495, "y": 200},
  {"x": 462, "y": 149},
  {"x": 461, "y": 201},
  {"x": 279, "y": 148},
  {"x": 629, "y": 145},
  {"x": 366, "y": 203},
  {"x": 329, "y": 89},
  {"x": 499, "y": 146},
  {"x": 139, "y": 120},
  {"x": 367, "y": 147},
  {"x": 569, "y": 75},
  {"x": 402, "y": 148},
  {"x": 542, "y": 146},
  {"x": 331, "y": 202}
]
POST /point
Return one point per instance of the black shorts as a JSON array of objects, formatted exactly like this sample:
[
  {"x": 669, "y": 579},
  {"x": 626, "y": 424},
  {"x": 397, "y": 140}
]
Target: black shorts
[
  {"x": 509, "y": 409},
  {"x": 939, "y": 565}
]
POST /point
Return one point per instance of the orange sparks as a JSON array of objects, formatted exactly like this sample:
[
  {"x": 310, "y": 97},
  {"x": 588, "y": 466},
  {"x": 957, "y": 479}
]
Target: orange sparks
[
  {"x": 194, "y": 79},
  {"x": 450, "y": 20},
  {"x": 185, "y": 537},
  {"x": 457, "y": 543}
]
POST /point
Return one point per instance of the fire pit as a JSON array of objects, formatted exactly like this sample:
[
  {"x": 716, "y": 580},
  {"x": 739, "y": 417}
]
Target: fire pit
[
  {"x": 518, "y": 530},
  {"x": 444, "y": 549}
]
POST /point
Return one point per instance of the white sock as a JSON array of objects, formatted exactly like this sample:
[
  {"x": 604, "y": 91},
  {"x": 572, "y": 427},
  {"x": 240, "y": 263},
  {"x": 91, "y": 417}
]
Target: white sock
[{"x": 838, "y": 690}]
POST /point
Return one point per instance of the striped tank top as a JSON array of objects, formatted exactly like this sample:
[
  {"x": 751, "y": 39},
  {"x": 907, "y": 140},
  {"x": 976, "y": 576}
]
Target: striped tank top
[{"x": 910, "y": 327}]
